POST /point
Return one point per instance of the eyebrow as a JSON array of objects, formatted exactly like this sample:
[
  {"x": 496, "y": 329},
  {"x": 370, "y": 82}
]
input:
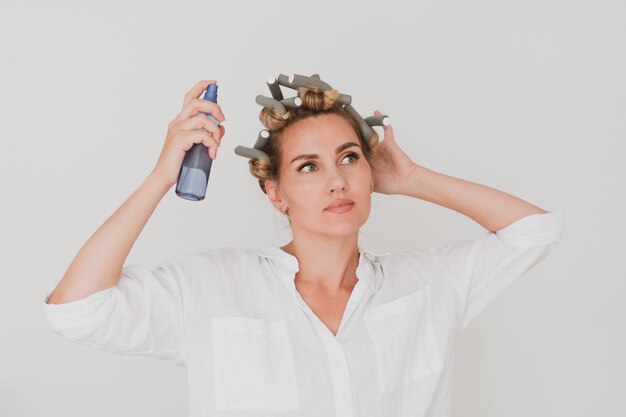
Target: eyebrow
[{"x": 315, "y": 156}]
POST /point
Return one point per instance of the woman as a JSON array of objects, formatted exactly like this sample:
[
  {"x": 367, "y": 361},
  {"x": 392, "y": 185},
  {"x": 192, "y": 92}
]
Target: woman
[{"x": 319, "y": 326}]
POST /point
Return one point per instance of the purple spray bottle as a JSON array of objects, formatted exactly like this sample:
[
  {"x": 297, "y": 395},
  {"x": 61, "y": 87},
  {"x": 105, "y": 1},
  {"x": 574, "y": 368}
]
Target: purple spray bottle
[{"x": 193, "y": 177}]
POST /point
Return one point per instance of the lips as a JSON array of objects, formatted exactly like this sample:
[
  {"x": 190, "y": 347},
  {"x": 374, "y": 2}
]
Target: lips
[{"x": 340, "y": 202}]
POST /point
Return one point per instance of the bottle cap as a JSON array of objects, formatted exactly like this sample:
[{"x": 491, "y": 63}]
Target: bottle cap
[{"x": 211, "y": 93}]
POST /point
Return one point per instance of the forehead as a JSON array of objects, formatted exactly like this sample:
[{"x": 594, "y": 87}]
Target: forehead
[{"x": 318, "y": 133}]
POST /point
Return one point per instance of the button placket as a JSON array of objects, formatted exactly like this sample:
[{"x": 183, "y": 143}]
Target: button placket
[{"x": 340, "y": 374}]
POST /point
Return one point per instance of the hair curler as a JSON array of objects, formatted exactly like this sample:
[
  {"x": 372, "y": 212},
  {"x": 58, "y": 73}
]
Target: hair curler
[{"x": 193, "y": 177}]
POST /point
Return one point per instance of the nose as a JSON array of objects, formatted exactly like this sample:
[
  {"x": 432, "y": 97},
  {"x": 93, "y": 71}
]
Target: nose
[{"x": 338, "y": 182}]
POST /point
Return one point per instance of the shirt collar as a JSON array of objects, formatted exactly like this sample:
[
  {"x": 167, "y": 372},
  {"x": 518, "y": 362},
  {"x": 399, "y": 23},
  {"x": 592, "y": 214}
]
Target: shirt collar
[
  {"x": 277, "y": 252},
  {"x": 291, "y": 265}
]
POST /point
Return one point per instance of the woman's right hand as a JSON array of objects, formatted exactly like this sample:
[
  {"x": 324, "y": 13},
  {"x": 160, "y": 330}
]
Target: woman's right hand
[{"x": 188, "y": 128}]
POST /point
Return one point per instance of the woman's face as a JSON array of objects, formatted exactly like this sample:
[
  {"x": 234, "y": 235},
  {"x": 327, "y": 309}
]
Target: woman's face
[{"x": 322, "y": 161}]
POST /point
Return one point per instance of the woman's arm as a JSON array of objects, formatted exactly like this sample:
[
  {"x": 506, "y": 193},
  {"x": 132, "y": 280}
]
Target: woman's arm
[
  {"x": 394, "y": 172},
  {"x": 491, "y": 208},
  {"x": 98, "y": 264}
]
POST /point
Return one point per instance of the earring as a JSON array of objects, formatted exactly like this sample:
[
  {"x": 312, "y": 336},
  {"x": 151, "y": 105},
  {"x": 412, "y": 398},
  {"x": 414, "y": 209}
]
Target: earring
[{"x": 283, "y": 211}]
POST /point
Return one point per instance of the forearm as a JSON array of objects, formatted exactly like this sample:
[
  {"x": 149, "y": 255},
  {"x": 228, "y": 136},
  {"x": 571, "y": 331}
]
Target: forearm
[
  {"x": 99, "y": 262},
  {"x": 491, "y": 208}
]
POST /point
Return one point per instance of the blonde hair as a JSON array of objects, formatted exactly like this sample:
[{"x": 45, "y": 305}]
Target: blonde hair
[{"x": 314, "y": 103}]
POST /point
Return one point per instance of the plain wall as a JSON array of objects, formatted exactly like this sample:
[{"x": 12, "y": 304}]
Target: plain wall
[{"x": 526, "y": 97}]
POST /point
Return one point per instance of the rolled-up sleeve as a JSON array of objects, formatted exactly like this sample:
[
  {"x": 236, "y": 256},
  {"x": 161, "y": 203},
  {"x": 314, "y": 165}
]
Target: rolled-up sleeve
[
  {"x": 481, "y": 270},
  {"x": 142, "y": 314}
]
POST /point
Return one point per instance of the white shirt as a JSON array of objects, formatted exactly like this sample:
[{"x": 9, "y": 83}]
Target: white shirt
[{"x": 253, "y": 347}]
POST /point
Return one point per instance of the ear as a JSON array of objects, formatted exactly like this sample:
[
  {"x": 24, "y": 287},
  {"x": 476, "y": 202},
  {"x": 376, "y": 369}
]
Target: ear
[{"x": 273, "y": 193}]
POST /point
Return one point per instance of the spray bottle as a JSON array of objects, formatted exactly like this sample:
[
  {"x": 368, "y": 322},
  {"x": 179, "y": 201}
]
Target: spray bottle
[{"x": 193, "y": 177}]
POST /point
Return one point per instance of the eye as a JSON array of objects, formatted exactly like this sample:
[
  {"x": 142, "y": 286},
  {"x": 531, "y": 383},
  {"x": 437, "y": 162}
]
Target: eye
[
  {"x": 305, "y": 165},
  {"x": 353, "y": 155}
]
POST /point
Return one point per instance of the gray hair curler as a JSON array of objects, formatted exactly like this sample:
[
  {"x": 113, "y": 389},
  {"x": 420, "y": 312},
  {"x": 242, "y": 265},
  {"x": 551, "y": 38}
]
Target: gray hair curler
[{"x": 280, "y": 104}]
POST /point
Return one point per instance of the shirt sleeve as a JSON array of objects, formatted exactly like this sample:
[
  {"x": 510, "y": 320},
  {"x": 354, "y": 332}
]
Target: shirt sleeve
[
  {"x": 142, "y": 314},
  {"x": 481, "y": 270}
]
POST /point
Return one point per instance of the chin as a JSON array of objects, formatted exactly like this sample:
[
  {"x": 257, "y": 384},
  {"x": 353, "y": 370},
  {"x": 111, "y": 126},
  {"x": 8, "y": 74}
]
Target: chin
[
  {"x": 345, "y": 223},
  {"x": 335, "y": 224}
]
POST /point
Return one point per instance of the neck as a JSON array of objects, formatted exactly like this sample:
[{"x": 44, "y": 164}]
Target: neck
[{"x": 326, "y": 263}]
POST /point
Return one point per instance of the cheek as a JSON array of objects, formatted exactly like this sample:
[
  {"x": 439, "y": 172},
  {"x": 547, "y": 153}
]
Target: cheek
[
  {"x": 364, "y": 176},
  {"x": 304, "y": 194}
]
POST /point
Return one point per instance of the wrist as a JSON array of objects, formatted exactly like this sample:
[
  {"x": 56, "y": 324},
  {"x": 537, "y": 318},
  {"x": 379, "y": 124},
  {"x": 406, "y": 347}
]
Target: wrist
[
  {"x": 417, "y": 182},
  {"x": 156, "y": 179}
]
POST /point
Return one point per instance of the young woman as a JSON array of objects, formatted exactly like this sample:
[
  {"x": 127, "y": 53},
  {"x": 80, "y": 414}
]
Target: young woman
[{"x": 319, "y": 326}]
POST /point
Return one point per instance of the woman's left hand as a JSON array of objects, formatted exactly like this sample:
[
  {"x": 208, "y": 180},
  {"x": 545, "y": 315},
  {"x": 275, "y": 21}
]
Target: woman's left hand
[{"x": 392, "y": 168}]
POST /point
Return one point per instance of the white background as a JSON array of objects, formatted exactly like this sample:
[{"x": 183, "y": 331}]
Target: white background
[{"x": 526, "y": 97}]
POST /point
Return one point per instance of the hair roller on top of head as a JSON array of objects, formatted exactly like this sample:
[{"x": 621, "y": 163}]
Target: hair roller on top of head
[{"x": 304, "y": 85}]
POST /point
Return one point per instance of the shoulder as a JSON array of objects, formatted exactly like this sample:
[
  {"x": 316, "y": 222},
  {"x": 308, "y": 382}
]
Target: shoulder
[
  {"x": 409, "y": 268},
  {"x": 412, "y": 259},
  {"x": 217, "y": 259},
  {"x": 219, "y": 256}
]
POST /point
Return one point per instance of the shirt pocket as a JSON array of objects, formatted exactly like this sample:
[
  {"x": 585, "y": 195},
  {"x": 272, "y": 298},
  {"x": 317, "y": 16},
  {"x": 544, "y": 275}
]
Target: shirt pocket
[
  {"x": 404, "y": 340},
  {"x": 253, "y": 365}
]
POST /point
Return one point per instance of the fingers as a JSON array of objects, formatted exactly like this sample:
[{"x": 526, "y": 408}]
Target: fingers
[
  {"x": 199, "y": 129},
  {"x": 387, "y": 129},
  {"x": 196, "y": 105},
  {"x": 197, "y": 90},
  {"x": 201, "y": 136},
  {"x": 200, "y": 121}
]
